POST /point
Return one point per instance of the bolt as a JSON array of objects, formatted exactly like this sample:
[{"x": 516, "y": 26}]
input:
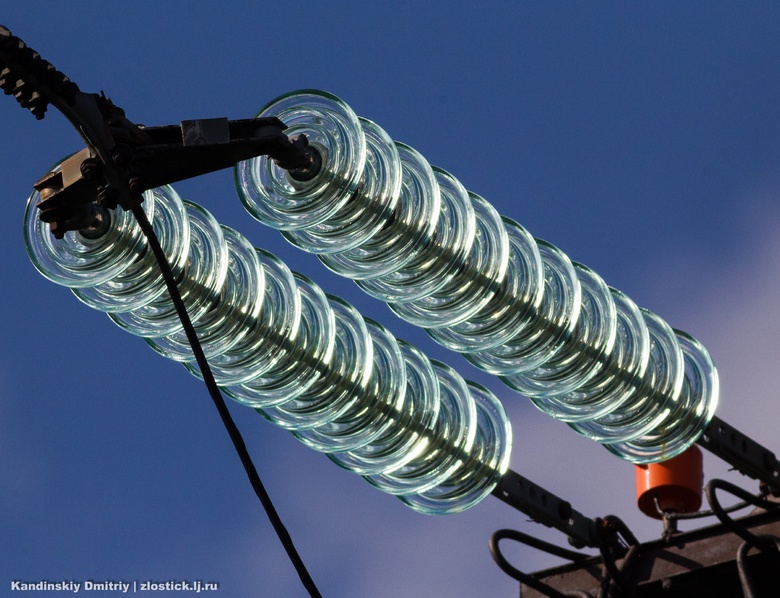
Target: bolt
[
  {"x": 97, "y": 221},
  {"x": 91, "y": 169},
  {"x": 121, "y": 156},
  {"x": 135, "y": 184},
  {"x": 107, "y": 197},
  {"x": 313, "y": 164}
]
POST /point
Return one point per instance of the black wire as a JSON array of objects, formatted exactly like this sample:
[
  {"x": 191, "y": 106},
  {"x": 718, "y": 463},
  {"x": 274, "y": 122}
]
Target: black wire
[
  {"x": 612, "y": 574},
  {"x": 730, "y": 523},
  {"x": 219, "y": 402},
  {"x": 553, "y": 549},
  {"x": 617, "y": 525},
  {"x": 614, "y": 526},
  {"x": 745, "y": 575},
  {"x": 529, "y": 580},
  {"x": 617, "y": 575},
  {"x": 671, "y": 515},
  {"x": 617, "y": 530}
]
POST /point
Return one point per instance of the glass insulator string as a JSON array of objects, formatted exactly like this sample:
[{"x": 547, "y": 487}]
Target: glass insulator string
[
  {"x": 480, "y": 284},
  {"x": 307, "y": 361}
]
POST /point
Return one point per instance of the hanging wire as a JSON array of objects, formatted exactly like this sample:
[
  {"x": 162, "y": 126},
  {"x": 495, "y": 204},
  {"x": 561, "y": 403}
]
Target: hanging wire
[
  {"x": 614, "y": 575},
  {"x": 736, "y": 527},
  {"x": 746, "y": 577},
  {"x": 219, "y": 402},
  {"x": 624, "y": 544},
  {"x": 525, "y": 578}
]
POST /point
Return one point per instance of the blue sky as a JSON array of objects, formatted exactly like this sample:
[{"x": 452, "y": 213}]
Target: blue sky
[{"x": 642, "y": 139}]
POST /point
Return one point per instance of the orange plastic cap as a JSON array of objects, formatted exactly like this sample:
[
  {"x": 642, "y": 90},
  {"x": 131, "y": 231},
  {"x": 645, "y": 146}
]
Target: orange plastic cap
[{"x": 676, "y": 484}]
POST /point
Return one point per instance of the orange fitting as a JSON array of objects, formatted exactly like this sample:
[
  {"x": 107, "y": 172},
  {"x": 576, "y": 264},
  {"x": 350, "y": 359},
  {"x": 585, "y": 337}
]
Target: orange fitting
[{"x": 676, "y": 484}]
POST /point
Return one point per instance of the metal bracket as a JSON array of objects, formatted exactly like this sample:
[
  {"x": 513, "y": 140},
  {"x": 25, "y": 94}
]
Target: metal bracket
[
  {"x": 123, "y": 159},
  {"x": 701, "y": 562},
  {"x": 166, "y": 155},
  {"x": 546, "y": 508},
  {"x": 741, "y": 451}
]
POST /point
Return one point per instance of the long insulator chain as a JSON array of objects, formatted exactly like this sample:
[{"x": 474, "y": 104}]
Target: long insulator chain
[
  {"x": 306, "y": 361},
  {"x": 480, "y": 284}
]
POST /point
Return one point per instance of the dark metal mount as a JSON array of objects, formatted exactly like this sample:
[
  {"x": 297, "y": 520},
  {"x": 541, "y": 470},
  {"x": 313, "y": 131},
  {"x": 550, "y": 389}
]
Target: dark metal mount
[
  {"x": 546, "y": 508},
  {"x": 123, "y": 159},
  {"x": 166, "y": 155},
  {"x": 700, "y": 563},
  {"x": 745, "y": 454}
]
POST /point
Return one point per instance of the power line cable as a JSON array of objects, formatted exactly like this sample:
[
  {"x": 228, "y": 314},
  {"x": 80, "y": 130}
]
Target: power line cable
[{"x": 219, "y": 402}]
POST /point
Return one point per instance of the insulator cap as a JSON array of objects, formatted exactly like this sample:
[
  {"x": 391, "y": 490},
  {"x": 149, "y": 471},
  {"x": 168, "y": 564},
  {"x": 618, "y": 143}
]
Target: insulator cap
[{"x": 676, "y": 484}]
